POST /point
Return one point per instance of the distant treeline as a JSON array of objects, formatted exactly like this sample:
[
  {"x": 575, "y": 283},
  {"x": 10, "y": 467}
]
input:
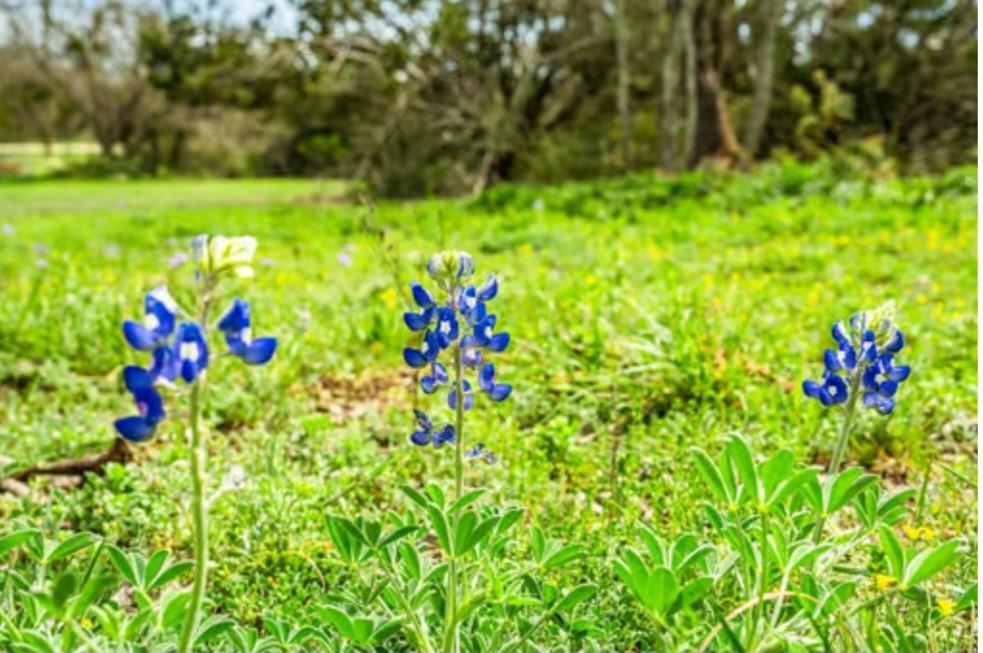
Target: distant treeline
[{"x": 427, "y": 96}]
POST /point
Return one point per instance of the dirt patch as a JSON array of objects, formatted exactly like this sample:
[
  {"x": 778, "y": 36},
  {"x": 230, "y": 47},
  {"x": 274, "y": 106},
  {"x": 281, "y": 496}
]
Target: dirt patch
[{"x": 346, "y": 398}]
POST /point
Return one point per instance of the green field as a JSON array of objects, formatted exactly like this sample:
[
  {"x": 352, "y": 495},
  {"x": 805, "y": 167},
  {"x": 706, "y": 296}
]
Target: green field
[{"x": 648, "y": 315}]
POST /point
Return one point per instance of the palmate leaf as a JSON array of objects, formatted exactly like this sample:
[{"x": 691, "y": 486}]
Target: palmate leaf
[
  {"x": 893, "y": 551},
  {"x": 74, "y": 543},
  {"x": 711, "y": 475},
  {"x": 574, "y": 597},
  {"x": 660, "y": 590}
]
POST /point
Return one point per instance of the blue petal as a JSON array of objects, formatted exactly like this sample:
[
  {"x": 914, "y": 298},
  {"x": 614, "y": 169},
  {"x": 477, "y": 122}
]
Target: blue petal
[
  {"x": 415, "y": 321},
  {"x": 489, "y": 289},
  {"x": 136, "y": 378},
  {"x": 444, "y": 435},
  {"x": 896, "y": 343},
  {"x": 414, "y": 358},
  {"x": 486, "y": 377},
  {"x": 831, "y": 360},
  {"x": 140, "y": 337},
  {"x": 811, "y": 388},
  {"x": 150, "y": 403},
  {"x": 440, "y": 373},
  {"x": 501, "y": 391},
  {"x": 883, "y": 405},
  {"x": 189, "y": 370},
  {"x": 134, "y": 429},
  {"x": 900, "y": 373},
  {"x": 428, "y": 384},
  {"x": 189, "y": 333},
  {"x": 237, "y": 346},
  {"x": 840, "y": 333},
  {"x": 260, "y": 351},
  {"x": 422, "y": 298},
  {"x": 165, "y": 364},
  {"x": 888, "y": 388},
  {"x": 420, "y": 438},
  {"x": 423, "y": 420},
  {"x": 836, "y": 388},
  {"x": 499, "y": 341},
  {"x": 236, "y": 319}
]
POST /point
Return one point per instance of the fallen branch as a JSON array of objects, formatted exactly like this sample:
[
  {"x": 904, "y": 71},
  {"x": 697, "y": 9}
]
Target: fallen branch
[{"x": 119, "y": 452}]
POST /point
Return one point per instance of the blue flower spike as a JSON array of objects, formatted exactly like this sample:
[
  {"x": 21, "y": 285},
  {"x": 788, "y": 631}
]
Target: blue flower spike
[
  {"x": 457, "y": 335},
  {"x": 863, "y": 362},
  {"x": 181, "y": 351}
]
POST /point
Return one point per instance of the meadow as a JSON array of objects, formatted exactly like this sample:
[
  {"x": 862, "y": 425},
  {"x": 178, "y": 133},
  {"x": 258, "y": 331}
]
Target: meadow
[{"x": 648, "y": 315}]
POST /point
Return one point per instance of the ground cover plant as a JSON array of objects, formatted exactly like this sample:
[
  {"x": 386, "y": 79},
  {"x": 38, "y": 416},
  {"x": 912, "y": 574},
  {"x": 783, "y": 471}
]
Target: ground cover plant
[{"x": 657, "y": 477}]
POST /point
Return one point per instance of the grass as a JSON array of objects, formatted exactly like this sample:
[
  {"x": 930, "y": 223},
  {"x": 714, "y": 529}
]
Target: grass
[{"x": 647, "y": 315}]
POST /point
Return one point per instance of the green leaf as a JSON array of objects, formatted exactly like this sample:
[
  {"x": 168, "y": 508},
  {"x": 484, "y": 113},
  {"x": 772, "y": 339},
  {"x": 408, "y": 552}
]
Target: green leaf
[
  {"x": 693, "y": 591},
  {"x": 710, "y": 474},
  {"x": 661, "y": 590},
  {"x": 968, "y": 598},
  {"x": 788, "y": 488},
  {"x": 397, "y": 534},
  {"x": 624, "y": 573},
  {"x": 169, "y": 574},
  {"x": 479, "y": 533},
  {"x": 740, "y": 456},
  {"x": 465, "y": 524},
  {"x": 835, "y": 598},
  {"x": 842, "y": 495},
  {"x": 362, "y": 629},
  {"x": 464, "y": 501},
  {"x": 411, "y": 559},
  {"x": 13, "y": 540},
  {"x": 439, "y": 523},
  {"x": 154, "y": 565},
  {"x": 574, "y": 597},
  {"x": 928, "y": 563},
  {"x": 123, "y": 564},
  {"x": 74, "y": 543},
  {"x": 563, "y": 556},
  {"x": 385, "y": 630},
  {"x": 339, "y": 620},
  {"x": 776, "y": 469},
  {"x": 64, "y": 588},
  {"x": 653, "y": 544},
  {"x": 509, "y": 519},
  {"x": 415, "y": 497},
  {"x": 211, "y": 628},
  {"x": 893, "y": 551},
  {"x": 175, "y": 607}
]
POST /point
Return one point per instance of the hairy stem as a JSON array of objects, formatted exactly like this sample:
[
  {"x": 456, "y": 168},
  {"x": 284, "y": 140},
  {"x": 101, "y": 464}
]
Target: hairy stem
[
  {"x": 200, "y": 516},
  {"x": 840, "y": 448},
  {"x": 199, "y": 508}
]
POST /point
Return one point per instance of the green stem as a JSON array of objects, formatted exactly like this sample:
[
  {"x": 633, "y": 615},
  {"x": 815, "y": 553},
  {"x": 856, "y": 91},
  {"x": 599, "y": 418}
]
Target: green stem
[
  {"x": 851, "y": 408},
  {"x": 759, "y": 613},
  {"x": 450, "y": 613},
  {"x": 199, "y": 508}
]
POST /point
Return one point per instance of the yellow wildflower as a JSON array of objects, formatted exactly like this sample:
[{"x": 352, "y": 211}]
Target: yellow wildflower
[
  {"x": 885, "y": 582},
  {"x": 946, "y": 607},
  {"x": 388, "y": 297}
]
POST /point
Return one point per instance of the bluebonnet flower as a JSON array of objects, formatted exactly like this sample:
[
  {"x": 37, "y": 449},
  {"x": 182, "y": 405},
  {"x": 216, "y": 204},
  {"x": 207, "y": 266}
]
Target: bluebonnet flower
[
  {"x": 180, "y": 350},
  {"x": 192, "y": 351},
  {"x": 486, "y": 381},
  {"x": 437, "y": 377},
  {"x": 459, "y": 323},
  {"x": 235, "y": 324},
  {"x": 158, "y": 324},
  {"x": 860, "y": 364},
  {"x": 425, "y": 433},
  {"x": 150, "y": 406},
  {"x": 479, "y": 451}
]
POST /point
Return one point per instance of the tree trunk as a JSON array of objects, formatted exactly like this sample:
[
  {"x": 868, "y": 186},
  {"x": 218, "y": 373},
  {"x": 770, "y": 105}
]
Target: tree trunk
[
  {"x": 669, "y": 130},
  {"x": 622, "y": 42},
  {"x": 692, "y": 113},
  {"x": 764, "y": 75}
]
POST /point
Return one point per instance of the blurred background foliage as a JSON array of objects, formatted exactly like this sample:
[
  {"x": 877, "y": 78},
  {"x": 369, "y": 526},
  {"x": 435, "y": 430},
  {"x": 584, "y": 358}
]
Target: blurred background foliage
[{"x": 421, "y": 97}]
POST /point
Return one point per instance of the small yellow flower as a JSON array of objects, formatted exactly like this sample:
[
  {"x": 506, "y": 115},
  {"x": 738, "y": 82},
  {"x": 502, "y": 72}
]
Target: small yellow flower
[
  {"x": 911, "y": 532},
  {"x": 590, "y": 280},
  {"x": 375, "y": 346},
  {"x": 526, "y": 249},
  {"x": 85, "y": 622},
  {"x": 946, "y": 607},
  {"x": 885, "y": 582},
  {"x": 388, "y": 297}
]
